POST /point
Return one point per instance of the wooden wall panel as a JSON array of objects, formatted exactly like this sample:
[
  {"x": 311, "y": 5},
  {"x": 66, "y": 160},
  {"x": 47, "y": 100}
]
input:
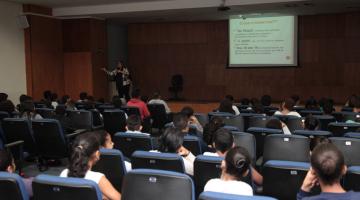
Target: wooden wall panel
[
  {"x": 37, "y": 9},
  {"x": 329, "y": 47}
]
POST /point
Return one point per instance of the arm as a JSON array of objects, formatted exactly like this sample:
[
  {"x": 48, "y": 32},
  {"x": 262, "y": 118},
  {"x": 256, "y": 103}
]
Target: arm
[
  {"x": 309, "y": 182},
  {"x": 108, "y": 190},
  {"x": 256, "y": 176},
  {"x": 110, "y": 73}
]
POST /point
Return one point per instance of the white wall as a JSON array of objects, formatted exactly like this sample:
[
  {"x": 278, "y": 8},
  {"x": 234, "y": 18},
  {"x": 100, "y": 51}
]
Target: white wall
[{"x": 12, "y": 52}]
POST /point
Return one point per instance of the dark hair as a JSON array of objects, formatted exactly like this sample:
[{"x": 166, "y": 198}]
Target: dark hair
[
  {"x": 316, "y": 141},
  {"x": 83, "y": 95},
  {"x": 6, "y": 159},
  {"x": 24, "y": 97},
  {"x": 356, "y": 102},
  {"x": 311, "y": 104},
  {"x": 266, "y": 100},
  {"x": 257, "y": 106},
  {"x": 245, "y": 101},
  {"x": 47, "y": 95},
  {"x": 210, "y": 129},
  {"x": 54, "y": 97},
  {"x": 7, "y": 106},
  {"x": 237, "y": 162},
  {"x": 351, "y": 100},
  {"x": 116, "y": 101},
  {"x": 226, "y": 106},
  {"x": 223, "y": 140},
  {"x": 229, "y": 97},
  {"x": 3, "y": 97},
  {"x": 328, "y": 107},
  {"x": 311, "y": 123},
  {"x": 274, "y": 123},
  {"x": 64, "y": 99},
  {"x": 83, "y": 148},
  {"x": 135, "y": 93},
  {"x": 133, "y": 122},
  {"x": 328, "y": 163},
  {"x": 188, "y": 111},
  {"x": 289, "y": 104},
  {"x": 144, "y": 98},
  {"x": 156, "y": 95},
  {"x": 180, "y": 121},
  {"x": 171, "y": 140},
  {"x": 27, "y": 108},
  {"x": 296, "y": 98},
  {"x": 101, "y": 135}
]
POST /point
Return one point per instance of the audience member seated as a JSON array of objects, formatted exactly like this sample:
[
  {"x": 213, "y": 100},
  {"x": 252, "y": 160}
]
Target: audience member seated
[
  {"x": 328, "y": 107},
  {"x": 117, "y": 102},
  {"x": 226, "y": 106},
  {"x": 244, "y": 101},
  {"x": 296, "y": 100},
  {"x": 47, "y": 99},
  {"x": 83, "y": 97},
  {"x": 70, "y": 105},
  {"x": 157, "y": 100},
  {"x": 235, "y": 108},
  {"x": 22, "y": 99},
  {"x": 327, "y": 168},
  {"x": 256, "y": 106},
  {"x": 5, "y": 104},
  {"x": 356, "y": 109},
  {"x": 311, "y": 123},
  {"x": 350, "y": 101},
  {"x": 85, "y": 153},
  {"x": 233, "y": 169},
  {"x": 7, "y": 164},
  {"x": 54, "y": 100},
  {"x": 64, "y": 99},
  {"x": 223, "y": 142},
  {"x": 311, "y": 104},
  {"x": 133, "y": 125},
  {"x": 171, "y": 141},
  {"x": 28, "y": 110},
  {"x": 286, "y": 108},
  {"x": 266, "y": 100},
  {"x": 60, "y": 114},
  {"x": 136, "y": 102},
  {"x": 277, "y": 124},
  {"x": 210, "y": 129},
  {"x": 192, "y": 120}
]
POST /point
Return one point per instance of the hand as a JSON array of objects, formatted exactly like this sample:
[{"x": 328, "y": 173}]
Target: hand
[
  {"x": 310, "y": 181},
  {"x": 194, "y": 120},
  {"x": 183, "y": 151}
]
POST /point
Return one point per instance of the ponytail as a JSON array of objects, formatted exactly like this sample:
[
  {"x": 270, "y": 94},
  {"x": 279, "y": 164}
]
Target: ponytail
[{"x": 237, "y": 162}]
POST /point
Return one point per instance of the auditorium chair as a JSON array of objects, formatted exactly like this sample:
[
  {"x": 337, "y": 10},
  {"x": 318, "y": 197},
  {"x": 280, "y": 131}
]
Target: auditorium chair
[
  {"x": 338, "y": 129},
  {"x": 131, "y": 110},
  {"x": 222, "y": 196},
  {"x": 350, "y": 147},
  {"x": 46, "y": 112},
  {"x": 39, "y": 105},
  {"x": 260, "y": 134},
  {"x": 156, "y": 160},
  {"x": 270, "y": 110},
  {"x": 51, "y": 141},
  {"x": 128, "y": 143},
  {"x": 295, "y": 123},
  {"x": 286, "y": 148},
  {"x": 283, "y": 179},
  {"x": 82, "y": 119},
  {"x": 298, "y": 108},
  {"x": 111, "y": 164},
  {"x": 259, "y": 121},
  {"x": 114, "y": 121},
  {"x": 148, "y": 184},
  {"x": 312, "y": 134},
  {"x": 247, "y": 141},
  {"x": 103, "y": 107},
  {"x": 16, "y": 129},
  {"x": 350, "y": 116},
  {"x": 352, "y": 179},
  {"x": 247, "y": 116},
  {"x": 3, "y": 115},
  {"x": 158, "y": 115},
  {"x": 339, "y": 117},
  {"x": 47, "y": 187},
  {"x": 305, "y": 112},
  {"x": 202, "y": 118},
  {"x": 324, "y": 121},
  {"x": 222, "y": 115},
  {"x": 352, "y": 135},
  {"x": 231, "y": 128},
  {"x": 12, "y": 187},
  {"x": 347, "y": 109},
  {"x": 192, "y": 143},
  {"x": 206, "y": 168}
]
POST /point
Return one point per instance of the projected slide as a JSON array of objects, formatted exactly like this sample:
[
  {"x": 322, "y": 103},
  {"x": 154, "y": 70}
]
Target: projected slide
[{"x": 263, "y": 41}]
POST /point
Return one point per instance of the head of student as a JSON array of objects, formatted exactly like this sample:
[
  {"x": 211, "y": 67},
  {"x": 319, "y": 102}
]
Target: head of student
[
  {"x": 296, "y": 99},
  {"x": 181, "y": 121},
  {"x": 3, "y": 97},
  {"x": 311, "y": 104},
  {"x": 236, "y": 164},
  {"x": 120, "y": 65},
  {"x": 156, "y": 95},
  {"x": 211, "y": 128},
  {"x": 171, "y": 140},
  {"x": 226, "y": 106},
  {"x": 266, "y": 100},
  {"x": 223, "y": 140},
  {"x": 47, "y": 95},
  {"x": 136, "y": 93},
  {"x": 328, "y": 107},
  {"x": 83, "y": 96},
  {"x": 104, "y": 139},
  {"x": 328, "y": 164},
  {"x": 133, "y": 123},
  {"x": 188, "y": 111},
  {"x": 288, "y": 104},
  {"x": 311, "y": 123},
  {"x": 7, "y": 163},
  {"x": 85, "y": 153}
]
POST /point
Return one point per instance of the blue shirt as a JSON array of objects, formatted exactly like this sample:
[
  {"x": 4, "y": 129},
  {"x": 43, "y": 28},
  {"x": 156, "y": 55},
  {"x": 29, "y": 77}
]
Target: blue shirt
[{"x": 351, "y": 195}]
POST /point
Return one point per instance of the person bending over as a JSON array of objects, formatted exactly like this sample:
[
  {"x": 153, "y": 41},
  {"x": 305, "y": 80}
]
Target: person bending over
[
  {"x": 85, "y": 154},
  {"x": 327, "y": 168}
]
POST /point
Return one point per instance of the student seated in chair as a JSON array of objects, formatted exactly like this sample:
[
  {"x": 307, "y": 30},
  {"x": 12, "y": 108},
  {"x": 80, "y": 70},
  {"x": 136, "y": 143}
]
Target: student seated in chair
[
  {"x": 133, "y": 125},
  {"x": 7, "y": 164},
  {"x": 85, "y": 153},
  {"x": 171, "y": 141},
  {"x": 28, "y": 110},
  {"x": 222, "y": 143},
  {"x": 157, "y": 100},
  {"x": 192, "y": 120},
  {"x": 137, "y": 102},
  {"x": 311, "y": 123},
  {"x": 286, "y": 108},
  {"x": 327, "y": 168},
  {"x": 210, "y": 129},
  {"x": 233, "y": 170}
]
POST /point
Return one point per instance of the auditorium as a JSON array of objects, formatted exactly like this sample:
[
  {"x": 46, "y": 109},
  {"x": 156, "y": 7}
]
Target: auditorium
[{"x": 180, "y": 99}]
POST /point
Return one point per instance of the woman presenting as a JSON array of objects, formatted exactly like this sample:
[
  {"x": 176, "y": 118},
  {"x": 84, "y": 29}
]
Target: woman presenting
[{"x": 122, "y": 79}]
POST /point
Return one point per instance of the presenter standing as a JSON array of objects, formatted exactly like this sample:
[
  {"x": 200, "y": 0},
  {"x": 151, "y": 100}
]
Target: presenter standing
[{"x": 122, "y": 79}]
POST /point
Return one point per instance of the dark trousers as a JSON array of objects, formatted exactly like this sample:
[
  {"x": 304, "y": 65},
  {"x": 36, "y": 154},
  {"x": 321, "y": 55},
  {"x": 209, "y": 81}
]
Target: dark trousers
[{"x": 123, "y": 90}]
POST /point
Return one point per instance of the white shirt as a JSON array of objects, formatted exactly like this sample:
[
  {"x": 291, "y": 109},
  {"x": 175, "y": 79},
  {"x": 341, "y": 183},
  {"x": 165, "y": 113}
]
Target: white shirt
[
  {"x": 211, "y": 154},
  {"x": 128, "y": 166},
  {"x": 90, "y": 175},
  {"x": 292, "y": 113},
  {"x": 229, "y": 187},
  {"x": 160, "y": 101},
  {"x": 236, "y": 109}
]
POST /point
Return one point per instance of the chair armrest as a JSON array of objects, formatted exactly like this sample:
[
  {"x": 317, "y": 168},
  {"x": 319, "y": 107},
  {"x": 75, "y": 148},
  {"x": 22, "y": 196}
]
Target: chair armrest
[{"x": 14, "y": 144}]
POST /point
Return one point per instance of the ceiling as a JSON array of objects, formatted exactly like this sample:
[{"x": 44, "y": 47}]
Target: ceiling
[{"x": 133, "y": 11}]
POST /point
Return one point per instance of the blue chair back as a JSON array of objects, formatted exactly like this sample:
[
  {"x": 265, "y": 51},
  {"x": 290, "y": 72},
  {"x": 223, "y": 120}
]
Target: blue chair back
[
  {"x": 312, "y": 134},
  {"x": 128, "y": 143},
  {"x": 223, "y": 196},
  {"x": 12, "y": 187},
  {"x": 155, "y": 160},
  {"x": 192, "y": 143},
  {"x": 247, "y": 141},
  {"x": 350, "y": 147},
  {"x": 114, "y": 121}
]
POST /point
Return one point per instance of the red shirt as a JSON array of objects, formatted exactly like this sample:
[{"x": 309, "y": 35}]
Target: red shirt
[{"x": 144, "y": 112}]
